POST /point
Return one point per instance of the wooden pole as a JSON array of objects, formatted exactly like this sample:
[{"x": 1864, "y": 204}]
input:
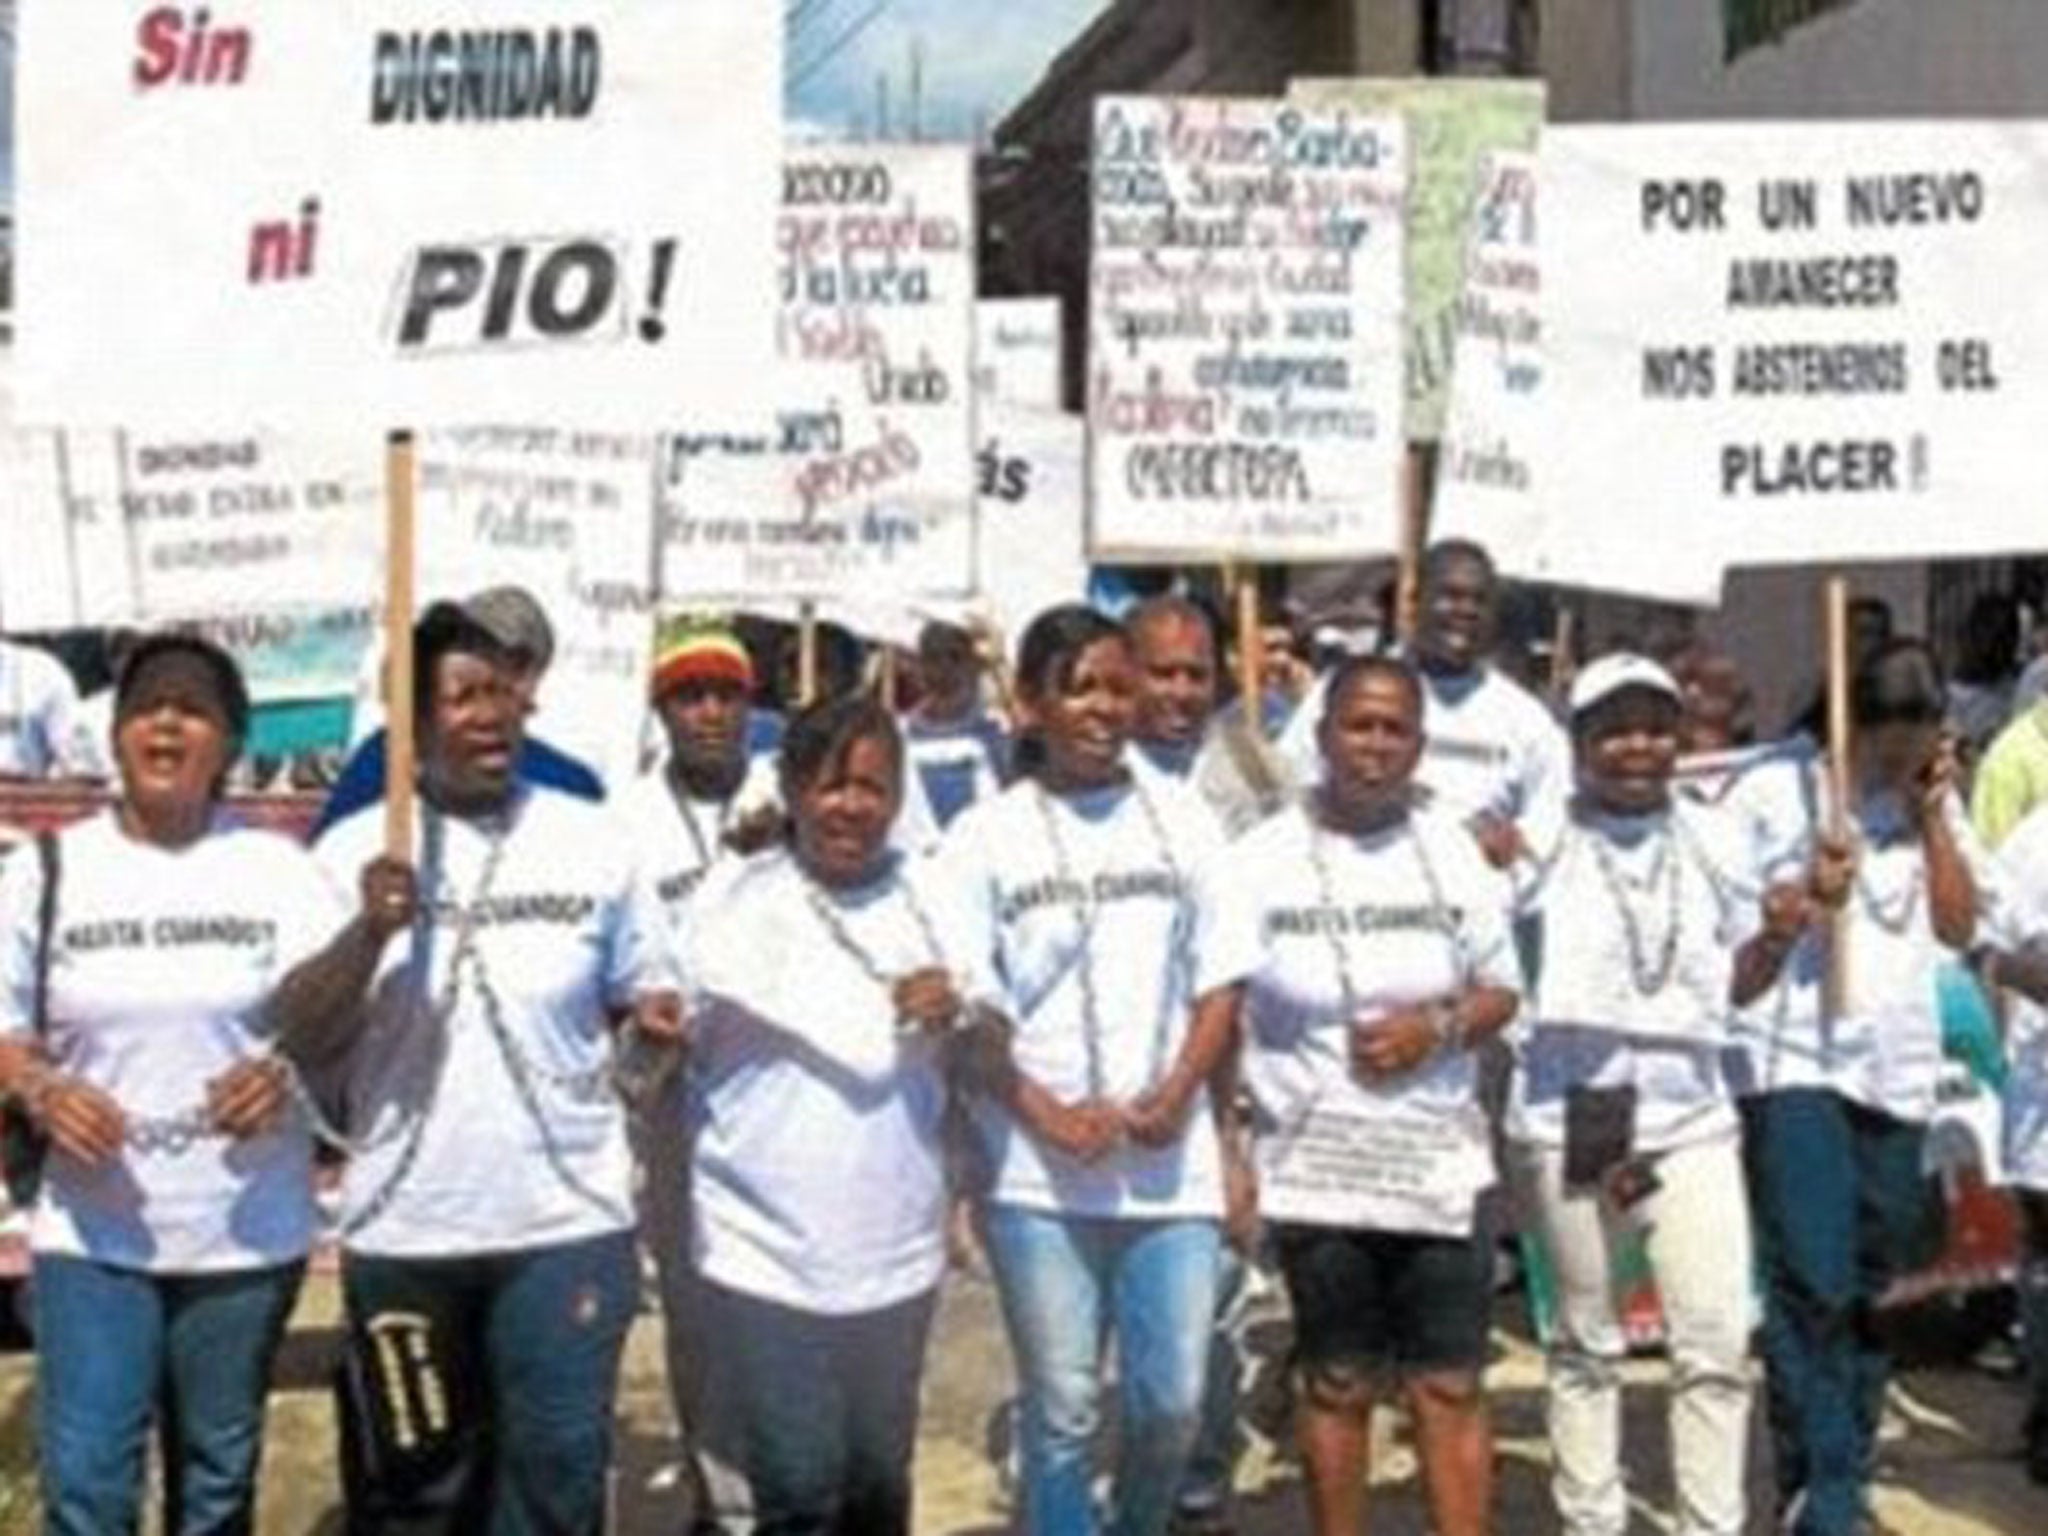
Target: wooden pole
[
  {"x": 1414, "y": 536},
  {"x": 400, "y": 754},
  {"x": 988, "y": 643},
  {"x": 1841, "y": 782},
  {"x": 1251, "y": 653},
  {"x": 1563, "y": 665},
  {"x": 806, "y": 653}
]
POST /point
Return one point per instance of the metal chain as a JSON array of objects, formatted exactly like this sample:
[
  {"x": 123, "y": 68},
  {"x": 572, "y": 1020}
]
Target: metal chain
[
  {"x": 440, "y": 1017},
  {"x": 1288, "y": 1135},
  {"x": 1441, "y": 913},
  {"x": 705, "y": 854},
  {"x": 826, "y": 909},
  {"x": 1648, "y": 978},
  {"x": 1898, "y": 917},
  {"x": 589, "y": 1086},
  {"x": 174, "y": 1135},
  {"x": 1085, "y": 920}
]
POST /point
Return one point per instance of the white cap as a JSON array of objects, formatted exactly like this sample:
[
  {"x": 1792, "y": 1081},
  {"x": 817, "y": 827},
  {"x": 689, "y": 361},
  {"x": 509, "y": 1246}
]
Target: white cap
[{"x": 1601, "y": 680}]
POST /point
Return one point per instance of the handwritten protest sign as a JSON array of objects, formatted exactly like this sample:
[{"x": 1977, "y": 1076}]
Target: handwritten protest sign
[
  {"x": 569, "y": 516},
  {"x": 1244, "y": 396},
  {"x": 1452, "y": 126},
  {"x": 866, "y": 477},
  {"x": 69, "y": 563},
  {"x": 1376, "y": 1167},
  {"x": 278, "y": 214},
  {"x": 1484, "y": 486},
  {"x": 1019, "y": 352},
  {"x": 1790, "y": 343},
  {"x": 253, "y": 522}
]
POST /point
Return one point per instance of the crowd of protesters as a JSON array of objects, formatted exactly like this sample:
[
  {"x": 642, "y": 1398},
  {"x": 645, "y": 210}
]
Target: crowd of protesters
[{"x": 1144, "y": 991}]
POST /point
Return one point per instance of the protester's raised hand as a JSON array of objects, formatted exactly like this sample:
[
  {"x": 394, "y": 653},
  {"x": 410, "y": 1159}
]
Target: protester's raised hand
[{"x": 390, "y": 893}]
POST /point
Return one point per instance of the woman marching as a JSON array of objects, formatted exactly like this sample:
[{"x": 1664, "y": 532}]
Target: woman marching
[
  {"x": 1835, "y": 1120},
  {"x": 1091, "y": 889},
  {"x": 1387, "y": 961},
  {"x": 1655, "y": 927},
  {"x": 488, "y": 1263},
  {"x": 821, "y": 1049},
  {"x": 138, "y": 951}
]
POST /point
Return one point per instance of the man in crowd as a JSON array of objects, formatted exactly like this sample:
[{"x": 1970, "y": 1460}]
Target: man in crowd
[
  {"x": 954, "y": 747},
  {"x": 1491, "y": 750},
  {"x": 511, "y": 617}
]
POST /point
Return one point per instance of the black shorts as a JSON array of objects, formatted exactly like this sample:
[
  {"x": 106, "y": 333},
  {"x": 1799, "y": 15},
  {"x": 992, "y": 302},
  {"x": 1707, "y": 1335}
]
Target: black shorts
[{"x": 1387, "y": 1300}]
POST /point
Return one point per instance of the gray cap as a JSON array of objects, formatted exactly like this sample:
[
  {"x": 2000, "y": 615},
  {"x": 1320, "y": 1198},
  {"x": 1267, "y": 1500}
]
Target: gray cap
[{"x": 515, "y": 619}]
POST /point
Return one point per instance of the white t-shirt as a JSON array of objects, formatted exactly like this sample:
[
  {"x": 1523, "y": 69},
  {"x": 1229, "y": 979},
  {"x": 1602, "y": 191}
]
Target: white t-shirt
[
  {"x": 1489, "y": 745},
  {"x": 818, "y": 1180},
  {"x": 1411, "y": 913},
  {"x": 1102, "y": 916},
  {"x": 161, "y": 964},
  {"x": 41, "y": 734},
  {"x": 680, "y": 838},
  {"x": 567, "y": 928},
  {"x": 1886, "y": 1052},
  {"x": 1609, "y": 1012},
  {"x": 2023, "y": 857}
]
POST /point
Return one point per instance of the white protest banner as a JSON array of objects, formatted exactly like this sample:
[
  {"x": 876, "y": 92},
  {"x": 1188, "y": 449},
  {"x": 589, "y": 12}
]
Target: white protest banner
[
  {"x": 1790, "y": 343},
  {"x": 866, "y": 479},
  {"x": 271, "y": 214},
  {"x": 1032, "y": 554},
  {"x": 1244, "y": 391},
  {"x": 253, "y": 523},
  {"x": 1484, "y": 489},
  {"x": 569, "y": 516},
  {"x": 1452, "y": 126},
  {"x": 68, "y": 562},
  {"x": 1019, "y": 352}
]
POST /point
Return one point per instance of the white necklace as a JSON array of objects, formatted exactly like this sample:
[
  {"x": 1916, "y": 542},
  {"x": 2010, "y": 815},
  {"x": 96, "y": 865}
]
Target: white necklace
[{"x": 1089, "y": 910}]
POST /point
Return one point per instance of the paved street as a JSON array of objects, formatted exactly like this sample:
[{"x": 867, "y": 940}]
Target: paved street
[{"x": 1949, "y": 1465}]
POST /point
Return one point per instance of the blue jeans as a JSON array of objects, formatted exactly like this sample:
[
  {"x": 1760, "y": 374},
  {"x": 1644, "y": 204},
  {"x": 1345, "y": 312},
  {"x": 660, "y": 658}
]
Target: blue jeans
[
  {"x": 826, "y": 1409},
  {"x": 116, "y": 1348},
  {"x": 523, "y": 1348},
  {"x": 1213, "y": 1458},
  {"x": 1841, "y": 1208},
  {"x": 1068, "y": 1285}
]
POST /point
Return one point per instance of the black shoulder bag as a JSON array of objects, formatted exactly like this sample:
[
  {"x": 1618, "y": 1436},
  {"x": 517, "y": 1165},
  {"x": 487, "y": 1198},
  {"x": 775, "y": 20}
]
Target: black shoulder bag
[{"x": 24, "y": 1145}]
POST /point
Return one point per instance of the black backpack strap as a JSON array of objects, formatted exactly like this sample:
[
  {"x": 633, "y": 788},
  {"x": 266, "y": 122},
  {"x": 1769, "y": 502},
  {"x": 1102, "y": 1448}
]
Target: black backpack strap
[{"x": 46, "y": 930}]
